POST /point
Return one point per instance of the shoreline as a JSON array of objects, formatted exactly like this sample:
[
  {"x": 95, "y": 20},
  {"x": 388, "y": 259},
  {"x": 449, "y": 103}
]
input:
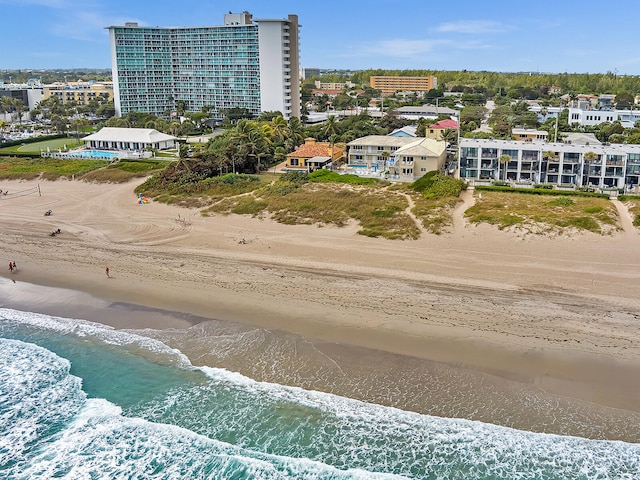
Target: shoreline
[
  {"x": 409, "y": 383},
  {"x": 558, "y": 314}
]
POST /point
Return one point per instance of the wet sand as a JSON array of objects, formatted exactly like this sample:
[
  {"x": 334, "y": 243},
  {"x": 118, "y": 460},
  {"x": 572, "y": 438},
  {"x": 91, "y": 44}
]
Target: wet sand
[{"x": 501, "y": 319}]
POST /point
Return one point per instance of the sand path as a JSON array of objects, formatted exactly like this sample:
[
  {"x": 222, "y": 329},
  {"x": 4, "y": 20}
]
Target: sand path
[{"x": 626, "y": 222}]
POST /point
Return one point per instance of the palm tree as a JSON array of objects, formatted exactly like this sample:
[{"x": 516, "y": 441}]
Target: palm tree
[
  {"x": 385, "y": 154},
  {"x": 6, "y": 104},
  {"x": 279, "y": 129},
  {"x": 504, "y": 160},
  {"x": 251, "y": 141},
  {"x": 449, "y": 135},
  {"x": 589, "y": 157},
  {"x": 77, "y": 124},
  {"x": 295, "y": 134},
  {"x": 174, "y": 128},
  {"x": 330, "y": 126}
]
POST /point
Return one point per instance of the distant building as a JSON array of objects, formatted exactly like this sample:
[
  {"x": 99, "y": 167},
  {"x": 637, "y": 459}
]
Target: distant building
[
  {"x": 333, "y": 85},
  {"x": 529, "y": 134},
  {"x": 411, "y": 112},
  {"x": 330, "y": 93},
  {"x": 389, "y": 84},
  {"x": 242, "y": 64},
  {"x": 309, "y": 72},
  {"x": 30, "y": 98},
  {"x": 79, "y": 92},
  {"x": 627, "y": 118}
]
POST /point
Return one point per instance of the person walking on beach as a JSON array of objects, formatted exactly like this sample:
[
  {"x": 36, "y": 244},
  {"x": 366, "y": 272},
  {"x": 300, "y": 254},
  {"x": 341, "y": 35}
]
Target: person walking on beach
[
  {"x": 107, "y": 271},
  {"x": 11, "y": 267},
  {"x": 14, "y": 267}
]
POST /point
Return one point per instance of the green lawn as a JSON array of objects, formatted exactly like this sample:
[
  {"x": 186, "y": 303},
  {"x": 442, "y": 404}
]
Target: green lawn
[
  {"x": 90, "y": 170},
  {"x": 36, "y": 147},
  {"x": 49, "y": 168}
]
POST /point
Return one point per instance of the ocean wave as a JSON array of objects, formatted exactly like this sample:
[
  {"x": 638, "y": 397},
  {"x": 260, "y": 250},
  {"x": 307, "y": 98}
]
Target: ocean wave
[
  {"x": 218, "y": 424},
  {"x": 37, "y": 397},
  {"x": 92, "y": 439},
  {"x": 347, "y": 433},
  {"x": 86, "y": 329}
]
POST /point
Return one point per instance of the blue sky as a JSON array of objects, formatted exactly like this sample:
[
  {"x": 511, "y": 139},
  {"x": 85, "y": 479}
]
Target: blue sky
[{"x": 501, "y": 35}]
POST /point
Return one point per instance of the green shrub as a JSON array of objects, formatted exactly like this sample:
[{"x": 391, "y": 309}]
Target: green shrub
[
  {"x": 541, "y": 190},
  {"x": 593, "y": 210},
  {"x": 295, "y": 177},
  {"x": 435, "y": 185},
  {"x": 561, "y": 202},
  {"x": 424, "y": 182}
]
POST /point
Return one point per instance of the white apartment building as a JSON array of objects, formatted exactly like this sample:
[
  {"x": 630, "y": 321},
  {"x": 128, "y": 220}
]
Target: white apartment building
[
  {"x": 588, "y": 116},
  {"x": 627, "y": 118},
  {"x": 245, "y": 63},
  {"x": 560, "y": 164}
]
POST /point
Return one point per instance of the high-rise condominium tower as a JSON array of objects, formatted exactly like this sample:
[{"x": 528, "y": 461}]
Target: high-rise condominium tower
[{"x": 241, "y": 64}]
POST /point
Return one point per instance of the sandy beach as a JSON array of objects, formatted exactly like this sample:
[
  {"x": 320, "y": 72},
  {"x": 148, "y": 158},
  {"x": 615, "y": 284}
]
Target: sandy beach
[{"x": 556, "y": 315}]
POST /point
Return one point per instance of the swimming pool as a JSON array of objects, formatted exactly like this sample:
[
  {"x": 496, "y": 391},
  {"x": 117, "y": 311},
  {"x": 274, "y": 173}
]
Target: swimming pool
[{"x": 94, "y": 154}]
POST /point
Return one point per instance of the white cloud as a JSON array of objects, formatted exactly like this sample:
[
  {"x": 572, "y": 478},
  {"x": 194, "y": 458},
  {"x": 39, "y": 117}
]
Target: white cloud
[{"x": 472, "y": 27}]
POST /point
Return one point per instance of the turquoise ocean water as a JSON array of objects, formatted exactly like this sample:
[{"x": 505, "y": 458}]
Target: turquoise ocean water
[{"x": 79, "y": 400}]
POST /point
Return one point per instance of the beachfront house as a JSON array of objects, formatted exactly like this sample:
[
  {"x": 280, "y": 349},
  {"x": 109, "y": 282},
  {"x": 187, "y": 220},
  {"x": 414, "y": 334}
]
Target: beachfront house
[
  {"x": 404, "y": 158},
  {"x": 130, "y": 139},
  {"x": 313, "y": 155}
]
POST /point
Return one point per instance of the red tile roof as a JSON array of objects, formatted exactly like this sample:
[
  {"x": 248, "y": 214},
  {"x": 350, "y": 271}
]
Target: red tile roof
[
  {"x": 445, "y": 124},
  {"x": 309, "y": 150}
]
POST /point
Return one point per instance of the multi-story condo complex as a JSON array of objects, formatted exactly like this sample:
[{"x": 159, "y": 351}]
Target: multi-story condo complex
[
  {"x": 404, "y": 158},
  {"x": 561, "y": 164},
  {"x": 391, "y": 84},
  {"x": 242, "y": 64}
]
